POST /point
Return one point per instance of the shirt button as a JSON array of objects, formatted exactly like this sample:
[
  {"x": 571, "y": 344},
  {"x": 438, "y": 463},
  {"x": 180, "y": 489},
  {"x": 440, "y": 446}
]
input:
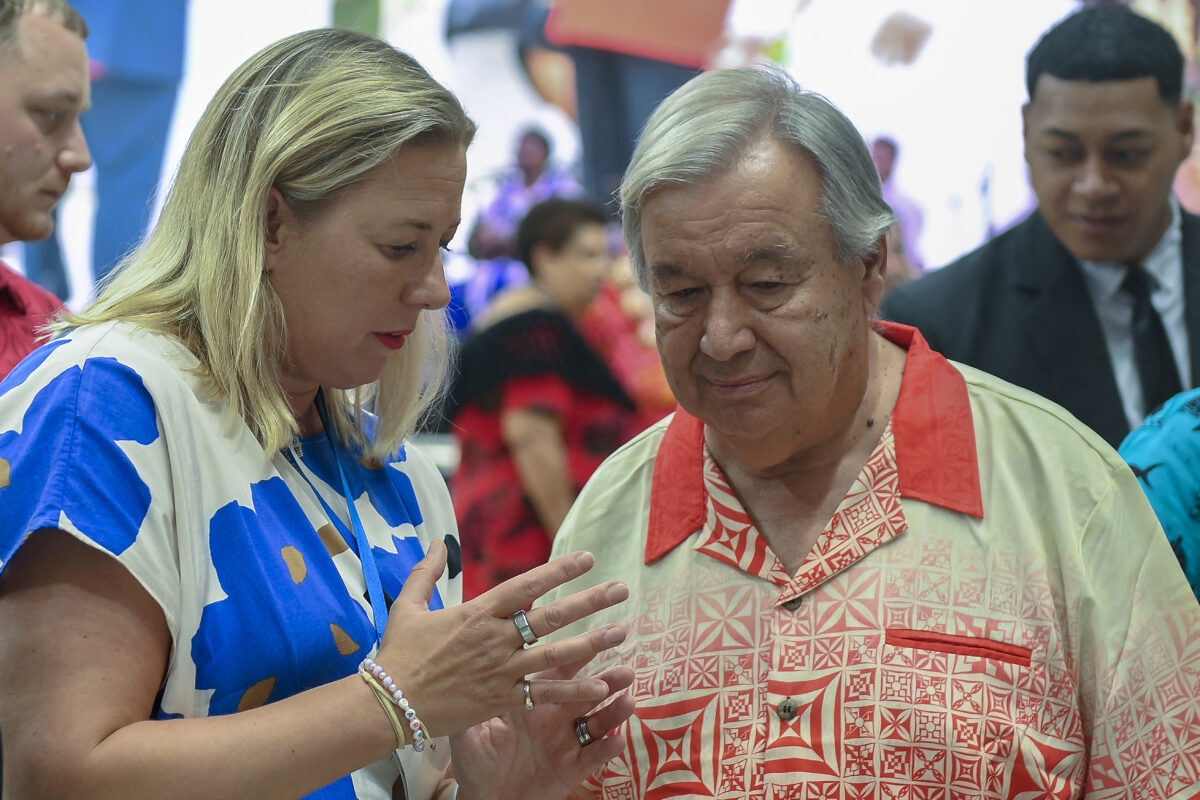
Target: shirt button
[
  {"x": 787, "y": 710},
  {"x": 794, "y": 603}
]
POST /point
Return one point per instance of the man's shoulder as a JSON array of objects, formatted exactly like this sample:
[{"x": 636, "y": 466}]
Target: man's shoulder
[
  {"x": 1017, "y": 416},
  {"x": 970, "y": 271},
  {"x": 36, "y": 300}
]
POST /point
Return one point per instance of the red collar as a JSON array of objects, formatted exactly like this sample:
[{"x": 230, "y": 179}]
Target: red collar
[
  {"x": 8, "y": 291},
  {"x": 935, "y": 448}
]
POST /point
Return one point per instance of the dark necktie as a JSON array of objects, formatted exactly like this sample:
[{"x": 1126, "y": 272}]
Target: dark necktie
[{"x": 1151, "y": 348}]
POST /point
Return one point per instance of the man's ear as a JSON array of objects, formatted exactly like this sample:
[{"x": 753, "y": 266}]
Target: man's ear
[
  {"x": 1025, "y": 130},
  {"x": 539, "y": 255},
  {"x": 875, "y": 276},
  {"x": 1185, "y": 123}
]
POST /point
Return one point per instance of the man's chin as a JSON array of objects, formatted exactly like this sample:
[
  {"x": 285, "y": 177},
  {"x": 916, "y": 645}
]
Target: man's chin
[
  {"x": 1088, "y": 249},
  {"x": 30, "y": 230}
]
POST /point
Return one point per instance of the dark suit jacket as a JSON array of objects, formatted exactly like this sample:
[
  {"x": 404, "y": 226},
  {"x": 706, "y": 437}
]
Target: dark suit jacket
[{"x": 1017, "y": 307}]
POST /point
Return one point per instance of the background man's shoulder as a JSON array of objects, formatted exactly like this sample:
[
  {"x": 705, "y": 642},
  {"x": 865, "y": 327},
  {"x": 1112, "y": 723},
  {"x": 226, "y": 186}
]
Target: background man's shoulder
[{"x": 36, "y": 300}]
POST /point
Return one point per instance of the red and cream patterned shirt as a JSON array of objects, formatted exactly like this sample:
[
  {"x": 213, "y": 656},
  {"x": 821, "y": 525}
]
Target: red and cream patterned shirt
[{"x": 992, "y": 612}]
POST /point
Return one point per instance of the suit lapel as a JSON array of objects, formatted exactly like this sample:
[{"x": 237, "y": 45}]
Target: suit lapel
[
  {"x": 1063, "y": 331},
  {"x": 1191, "y": 290}
]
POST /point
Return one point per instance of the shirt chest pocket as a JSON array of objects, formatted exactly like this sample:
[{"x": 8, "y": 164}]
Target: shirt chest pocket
[{"x": 940, "y": 706}]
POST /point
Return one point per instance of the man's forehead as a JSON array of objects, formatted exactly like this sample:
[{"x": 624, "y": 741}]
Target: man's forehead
[
  {"x": 51, "y": 59},
  {"x": 1123, "y": 108},
  {"x": 1054, "y": 94}
]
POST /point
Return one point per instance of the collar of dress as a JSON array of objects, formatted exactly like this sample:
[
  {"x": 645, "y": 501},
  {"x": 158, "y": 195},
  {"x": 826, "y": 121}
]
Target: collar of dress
[{"x": 935, "y": 448}]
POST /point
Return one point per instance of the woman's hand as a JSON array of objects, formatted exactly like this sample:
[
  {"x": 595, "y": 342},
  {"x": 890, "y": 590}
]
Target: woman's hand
[
  {"x": 462, "y": 665},
  {"x": 536, "y": 754}
]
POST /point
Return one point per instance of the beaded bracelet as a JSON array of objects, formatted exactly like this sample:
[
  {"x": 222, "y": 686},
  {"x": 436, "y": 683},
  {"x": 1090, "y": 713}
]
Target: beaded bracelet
[{"x": 392, "y": 697}]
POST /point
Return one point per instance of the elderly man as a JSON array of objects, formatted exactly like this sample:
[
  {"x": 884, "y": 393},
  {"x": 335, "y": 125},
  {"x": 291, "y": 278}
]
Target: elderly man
[
  {"x": 1093, "y": 300},
  {"x": 43, "y": 90},
  {"x": 856, "y": 569}
]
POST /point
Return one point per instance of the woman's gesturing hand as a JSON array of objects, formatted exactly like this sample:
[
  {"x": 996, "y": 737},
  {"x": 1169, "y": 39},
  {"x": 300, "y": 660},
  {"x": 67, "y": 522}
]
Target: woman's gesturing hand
[{"x": 465, "y": 664}]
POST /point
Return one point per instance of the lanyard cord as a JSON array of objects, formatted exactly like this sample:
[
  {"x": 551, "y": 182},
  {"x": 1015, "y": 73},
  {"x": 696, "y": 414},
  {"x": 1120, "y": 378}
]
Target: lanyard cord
[{"x": 358, "y": 540}]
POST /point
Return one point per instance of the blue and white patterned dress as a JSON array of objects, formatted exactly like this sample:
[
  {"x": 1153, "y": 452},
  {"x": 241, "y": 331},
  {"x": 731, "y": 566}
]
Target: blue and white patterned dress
[{"x": 109, "y": 435}]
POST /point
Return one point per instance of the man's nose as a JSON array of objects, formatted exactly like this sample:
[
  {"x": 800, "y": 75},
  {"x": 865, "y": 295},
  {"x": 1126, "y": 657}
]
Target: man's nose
[
  {"x": 74, "y": 155},
  {"x": 727, "y": 330},
  {"x": 1094, "y": 178}
]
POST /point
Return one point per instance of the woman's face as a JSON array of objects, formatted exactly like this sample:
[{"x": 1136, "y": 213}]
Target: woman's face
[
  {"x": 354, "y": 278},
  {"x": 574, "y": 275}
]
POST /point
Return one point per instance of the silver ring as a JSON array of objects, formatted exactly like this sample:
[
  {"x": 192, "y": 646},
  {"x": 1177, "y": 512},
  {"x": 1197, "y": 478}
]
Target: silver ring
[
  {"x": 582, "y": 733},
  {"x": 522, "y": 622},
  {"x": 527, "y": 689}
]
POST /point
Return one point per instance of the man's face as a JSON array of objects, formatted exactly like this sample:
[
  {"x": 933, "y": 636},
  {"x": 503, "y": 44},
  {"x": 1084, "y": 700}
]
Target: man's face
[
  {"x": 1102, "y": 157},
  {"x": 763, "y": 333},
  {"x": 44, "y": 88}
]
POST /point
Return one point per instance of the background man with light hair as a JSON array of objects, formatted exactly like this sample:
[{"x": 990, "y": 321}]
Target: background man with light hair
[{"x": 44, "y": 88}]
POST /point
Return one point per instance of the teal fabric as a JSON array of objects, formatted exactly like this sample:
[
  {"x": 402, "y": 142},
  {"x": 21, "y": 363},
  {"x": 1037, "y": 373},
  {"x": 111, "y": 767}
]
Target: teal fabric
[{"x": 1165, "y": 455}]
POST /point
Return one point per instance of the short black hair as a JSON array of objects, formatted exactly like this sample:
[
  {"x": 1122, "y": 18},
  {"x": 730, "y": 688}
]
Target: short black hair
[
  {"x": 1108, "y": 43},
  {"x": 553, "y": 222}
]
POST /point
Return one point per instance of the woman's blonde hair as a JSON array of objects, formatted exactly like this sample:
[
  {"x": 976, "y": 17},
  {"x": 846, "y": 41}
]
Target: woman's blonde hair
[{"x": 309, "y": 115}]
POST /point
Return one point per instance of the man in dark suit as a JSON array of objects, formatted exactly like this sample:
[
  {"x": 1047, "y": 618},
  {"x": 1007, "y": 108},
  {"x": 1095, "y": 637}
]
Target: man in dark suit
[{"x": 1092, "y": 301}]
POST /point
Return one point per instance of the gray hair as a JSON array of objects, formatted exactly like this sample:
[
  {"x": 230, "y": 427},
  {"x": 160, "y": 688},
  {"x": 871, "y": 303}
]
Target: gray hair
[{"x": 703, "y": 128}]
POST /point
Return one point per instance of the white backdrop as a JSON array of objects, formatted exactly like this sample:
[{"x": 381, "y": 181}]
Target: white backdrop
[{"x": 955, "y": 111}]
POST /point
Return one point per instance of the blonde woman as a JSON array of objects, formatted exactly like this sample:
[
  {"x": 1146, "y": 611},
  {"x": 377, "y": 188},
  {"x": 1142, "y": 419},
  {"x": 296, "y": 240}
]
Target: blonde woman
[{"x": 220, "y": 575}]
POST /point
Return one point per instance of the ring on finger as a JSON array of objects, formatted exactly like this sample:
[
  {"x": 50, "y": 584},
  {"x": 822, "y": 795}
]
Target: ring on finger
[
  {"x": 522, "y": 622},
  {"x": 528, "y": 690},
  {"x": 582, "y": 733}
]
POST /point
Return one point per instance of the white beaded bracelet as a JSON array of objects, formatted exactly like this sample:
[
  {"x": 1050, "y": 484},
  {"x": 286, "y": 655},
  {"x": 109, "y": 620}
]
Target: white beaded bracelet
[{"x": 379, "y": 680}]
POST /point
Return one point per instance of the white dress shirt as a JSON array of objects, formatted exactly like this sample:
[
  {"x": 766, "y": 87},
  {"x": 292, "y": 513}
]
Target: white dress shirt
[{"x": 1114, "y": 307}]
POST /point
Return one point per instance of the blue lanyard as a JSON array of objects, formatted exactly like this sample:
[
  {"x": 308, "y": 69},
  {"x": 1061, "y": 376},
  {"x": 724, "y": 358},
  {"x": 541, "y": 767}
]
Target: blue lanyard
[{"x": 358, "y": 540}]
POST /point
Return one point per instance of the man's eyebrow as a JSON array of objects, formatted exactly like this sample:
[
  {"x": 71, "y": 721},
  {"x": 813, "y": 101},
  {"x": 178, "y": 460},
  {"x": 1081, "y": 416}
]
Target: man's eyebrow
[
  {"x": 1061, "y": 134},
  {"x": 775, "y": 252},
  {"x": 1131, "y": 134},
  {"x": 666, "y": 269}
]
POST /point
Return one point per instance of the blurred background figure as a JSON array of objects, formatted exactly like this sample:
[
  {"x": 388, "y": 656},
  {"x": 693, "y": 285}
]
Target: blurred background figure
[
  {"x": 137, "y": 57},
  {"x": 619, "y": 325},
  {"x": 531, "y": 179},
  {"x": 628, "y": 56},
  {"x": 492, "y": 245},
  {"x": 885, "y": 150},
  {"x": 535, "y": 409}
]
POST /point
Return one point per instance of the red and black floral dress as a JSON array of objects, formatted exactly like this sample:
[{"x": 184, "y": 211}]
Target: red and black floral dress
[{"x": 535, "y": 360}]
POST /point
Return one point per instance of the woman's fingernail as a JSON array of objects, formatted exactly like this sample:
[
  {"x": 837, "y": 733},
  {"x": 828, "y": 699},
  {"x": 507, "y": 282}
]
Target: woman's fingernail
[{"x": 614, "y": 635}]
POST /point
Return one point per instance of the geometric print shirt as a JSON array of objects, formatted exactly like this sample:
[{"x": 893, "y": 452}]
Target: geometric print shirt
[
  {"x": 992, "y": 612},
  {"x": 109, "y": 435}
]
